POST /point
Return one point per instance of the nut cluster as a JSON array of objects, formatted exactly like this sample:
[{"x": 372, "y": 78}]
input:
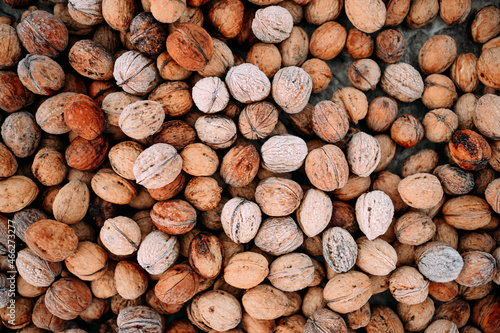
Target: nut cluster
[{"x": 173, "y": 166}]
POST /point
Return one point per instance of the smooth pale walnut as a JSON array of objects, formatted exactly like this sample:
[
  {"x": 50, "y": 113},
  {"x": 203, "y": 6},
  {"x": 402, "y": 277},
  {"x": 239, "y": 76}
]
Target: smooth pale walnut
[
  {"x": 487, "y": 67},
  {"x": 210, "y": 95},
  {"x": 291, "y": 89},
  {"x": 219, "y": 310},
  {"x": 319, "y": 165},
  {"x": 368, "y": 16},
  {"x": 265, "y": 56},
  {"x": 376, "y": 257},
  {"x": 339, "y": 249},
  {"x": 203, "y": 193},
  {"x": 265, "y": 302},
  {"x": 492, "y": 195},
  {"x": 89, "y": 262},
  {"x": 141, "y": 119},
  {"x": 283, "y": 153},
  {"x": 314, "y": 212},
  {"x": 157, "y": 166},
  {"x": 253, "y": 266},
  {"x": 374, "y": 212},
  {"x": 110, "y": 187},
  {"x": 387, "y": 151},
  {"x": 329, "y": 121},
  {"x": 114, "y": 104},
  {"x": 247, "y": 83},
  {"x": 241, "y": 220},
  {"x": 291, "y": 272},
  {"x": 421, "y": 190},
  {"x": 347, "y": 292},
  {"x": 199, "y": 160},
  {"x": 403, "y": 82},
  {"x": 278, "y": 196},
  {"x": 437, "y": 54},
  {"x": 278, "y": 236},
  {"x": 408, "y": 286},
  {"x": 438, "y": 262},
  {"x": 363, "y": 154},
  {"x": 272, "y": 24},
  {"x": 487, "y": 116},
  {"x": 122, "y": 157}
]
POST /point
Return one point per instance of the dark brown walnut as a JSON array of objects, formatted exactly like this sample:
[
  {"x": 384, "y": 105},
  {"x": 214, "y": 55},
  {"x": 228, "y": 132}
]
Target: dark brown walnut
[
  {"x": 91, "y": 59},
  {"x": 174, "y": 96},
  {"x": 51, "y": 240},
  {"x": 469, "y": 150},
  {"x": 384, "y": 319},
  {"x": 190, "y": 46},
  {"x": 355, "y": 186},
  {"x": 258, "y": 120},
  {"x": 13, "y": 94},
  {"x": 67, "y": 298},
  {"x": 21, "y": 313},
  {"x": 83, "y": 116},
  {"x": 147, "y": 34},
  {"x": 240, "y": 165},
  {"x": 10, "y": 45},
  {"x": 390, "y": 45},
  {"x": 45, "y": 320},
  {"x": 485, "y": 314},
  {"x": 43, "y": 33},
  {"x": 177, "y": 133},
  {"x": 343, "y": 216},
  {"x": 407, "y": 131},
  {"x": 206, "y": 255},
  {"x": 21, "y": 134},
  {"x": 455, "y": 181},
  {"x": 456, "y": 310},
  {"x": 177, "y": 285},
  {"x": 174, "y": 217},
  {"x": 40, "y": 74},
  {"x": 25, "y": 218},
  {"x": 227, "y": 17},
  {"x": 358, "y": 44},
  {"x": 85, "y": 154}
]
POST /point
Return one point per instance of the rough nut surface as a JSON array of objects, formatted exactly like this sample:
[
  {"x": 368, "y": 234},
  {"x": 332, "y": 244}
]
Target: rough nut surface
[{"x": 374, "y": 212}]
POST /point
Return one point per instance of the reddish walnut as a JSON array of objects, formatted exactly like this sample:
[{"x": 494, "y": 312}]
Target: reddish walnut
[
  {"x": 407, "y": 131},
  {"x": 83, "y": 116},
  {"x": 85, "y": 154},
  {"x": 175, "y": 217},
  {"x": 469, "y": 150}
]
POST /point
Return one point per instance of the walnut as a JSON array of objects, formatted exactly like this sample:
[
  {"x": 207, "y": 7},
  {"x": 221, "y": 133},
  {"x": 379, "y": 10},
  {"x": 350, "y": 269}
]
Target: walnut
[
  {"x": 247, "y": 83},
  {"x": 210, "y": 95},
  {"x": 272, "y": 24},
  {"x": 291, "y": 89},
  {"x": 374, "y": 212}
]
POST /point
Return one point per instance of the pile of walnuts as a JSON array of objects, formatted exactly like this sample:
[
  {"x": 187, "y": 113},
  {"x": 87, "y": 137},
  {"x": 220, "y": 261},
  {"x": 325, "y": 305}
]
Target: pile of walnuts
[{"x": 162, "y": 169}]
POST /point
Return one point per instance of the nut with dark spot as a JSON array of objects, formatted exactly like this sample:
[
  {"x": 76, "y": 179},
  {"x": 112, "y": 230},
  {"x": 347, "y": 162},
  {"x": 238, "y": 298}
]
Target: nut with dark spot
[{"x": 469, "y": 150}]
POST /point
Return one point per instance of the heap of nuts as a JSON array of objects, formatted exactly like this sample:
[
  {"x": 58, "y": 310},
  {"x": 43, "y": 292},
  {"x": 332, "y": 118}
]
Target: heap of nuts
[{"x": 163, "y": 170}]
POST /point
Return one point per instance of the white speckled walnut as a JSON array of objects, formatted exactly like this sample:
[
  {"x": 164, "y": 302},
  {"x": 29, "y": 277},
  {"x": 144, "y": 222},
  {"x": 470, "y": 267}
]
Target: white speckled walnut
[
  {"x": 135, "y": 73},
  {"x": 403, "y": 82},
  {"x": 339, "y": 249},
  {"x": 363, "y": 154},
  {"x": 216, "y": 131},
  {"x": 283, "y": 153},
  {"x": 157, "y": 166},
  {"x": 279, "y": 235},
  {"x": 272, "y": 24},
  {"x": 247, "y": 83},
  {"x": 36, "y": 271},
  {"x": 292, "y": 87},
  {"x": 210, "y": 95},
  {"x": 141, "y": 119},
  {"x": 374, "y": 212},
  {"x": 241, "y": 220}
]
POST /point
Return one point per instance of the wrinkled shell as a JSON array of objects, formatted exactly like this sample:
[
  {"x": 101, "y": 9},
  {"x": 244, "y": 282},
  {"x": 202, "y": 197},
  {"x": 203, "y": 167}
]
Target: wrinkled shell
[
  {"x": 190, "y": 46},
  {"x": 339, "y": 249},
  {"x": 120, "y": 235},
  {"x": 279, "y": 236},
  {"x": 292, "y": 87},
  {"x": 439, "y": 262},
  {"x": 363, "y": 154},
  {"x": 283, "y": 153},
  {"x": 110, "y": 187},
  {"x": 408, "y": 286},
  {"x": 247, "y": 83},
  {"x": 210, "y": 95},
  {"x": 133, "y": 318},
  {"x": 91, "y": 59},
  {"x": 218, "y": 132},
  {"x": 67, "y": 298},
  {"x": 376, "y": 257},
  {"x": 258, "y": 120},
  {"x": 36, "y": 271},
  {"x": 278, "y": 196},
  {"x": 374, "y": 212},
  {"x": 437, "y": 54},
  {"x": 219, "y": 310},
  {"x": 272, "y": 24},
  {"x": 141, "y": 119},
  {"x": 403, "y": 82},
  {"x": 325, "y": 320},
  {"x": 479, "y": 268},
  {"x": 157, "y": 166},
  {"x": 158, "y": 252},
  {"x": 329, "y": 121},
  {"x": 71, "y": 202},
  {"x": 467, "y": 212},
  {"x": 135, "y": 73},
  {"x": 265, "y": 302},
  {"x": 487, "y": 116},
  {"x": 241, "y": 220}
]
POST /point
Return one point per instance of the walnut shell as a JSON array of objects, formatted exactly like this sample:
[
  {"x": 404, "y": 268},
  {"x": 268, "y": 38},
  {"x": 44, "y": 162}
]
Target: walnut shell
[
  {"x": 67, "y": 298},
  {"x": 408, "y": 286},
  {"x": 190, "y": 46},
  {"x": 376, "y": 257},
  {"x": 71, "y": 202},
  {"x": 120, "y": 235},
  {"x": 367, "y": 16},
  {"x": 347, "y": 292},
  {"x": 21, "y": 134},
  {"x": 479, "y": 268},
  {"x": 283, "y": 153},
  {"x": 174, "y": 217},
  {"x": 35, "y": 270},
  {"x": 265, "y": 302},
  {"x": 420, "y": 190},
  {"x": 403, "y": 82},
  {"x": 166, "y": 162},
  {"x": 216, "y": 131},
  {"x": 40, "y": 74},
  {"x": 339, "y": 249},
  {"x": 91, "y": 59},
  {"x": 288, "y": 82},
  {"x": 135, "y": 73},
  {"x": 279, "y": 236},
  {"x": 467, "y": 212},
  {"x": 258, "y": 120},
  {"x": 111, "y": 187},
  {"x": 329, "y": 121},
  {"x": 278, "y": 196},
  {"x": 291, "y": 272},
  {"x": 247, "y": 83},
  {"x": 328, "y": 40},
  {"x": 320, "y": 161},
  {"x": 89, "y": 262},
  {"x": 374, "y": 225},
  {"x": 51, "y": 240},
  {"x": 363, "y": 154},
  {"x": 139, "y": 317},
  {"x": 141, "y": 119},
  {"x": 85, "y": 155},
  {"x": 177, "y": 285},
  {"x": 158, "y": 252},
  {"x": 314, "y": 212},
  {"x": 241, "y": 220},
  {"x": 253, "y": 266},
  {"x": 16, "y": 192},
  {"x": 438, "y": 262},
  {"x": 272, "y": 24}
]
